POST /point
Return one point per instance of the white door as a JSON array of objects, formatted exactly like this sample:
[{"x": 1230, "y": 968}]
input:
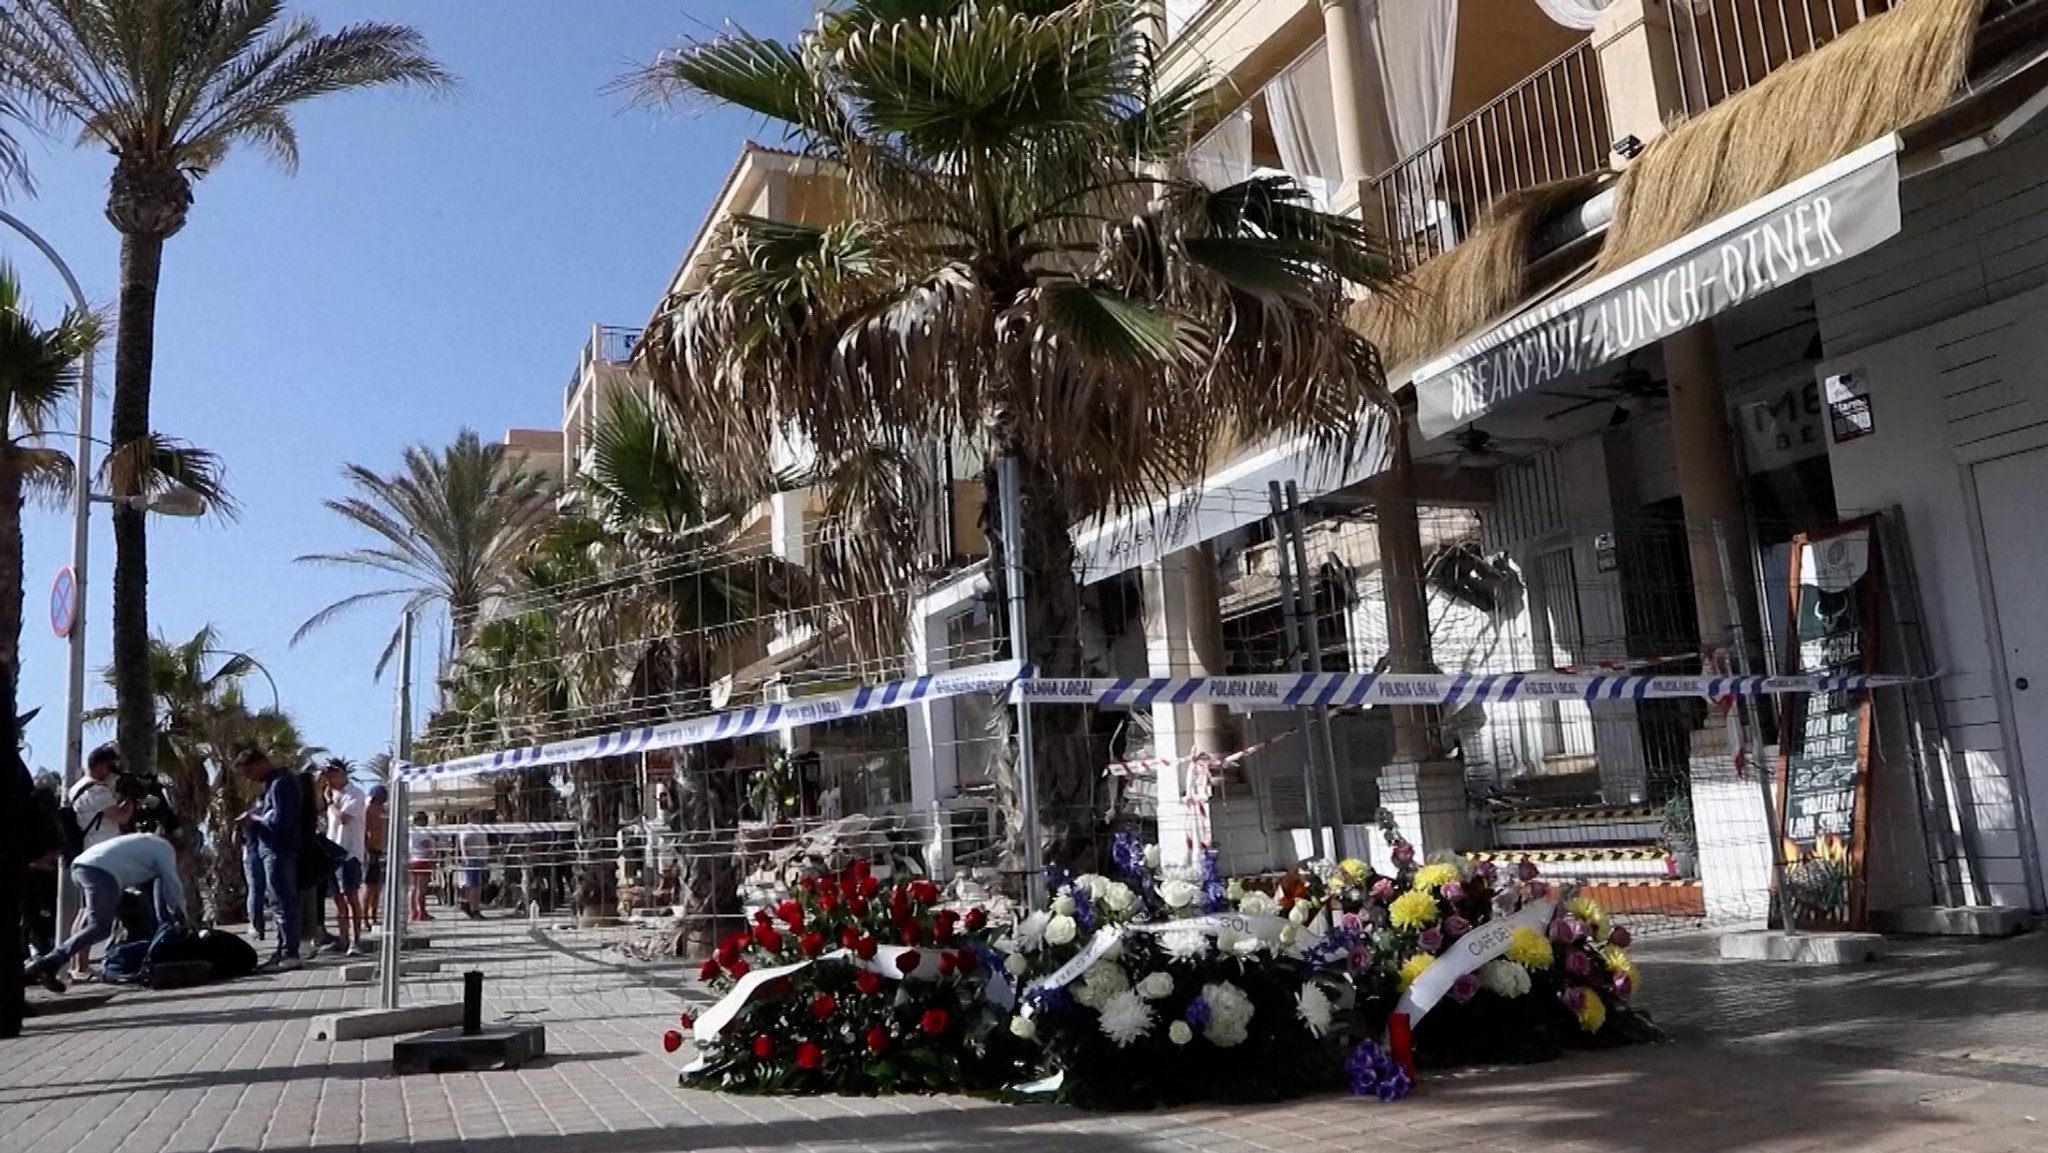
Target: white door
[{"x": 2016, "y": 538}]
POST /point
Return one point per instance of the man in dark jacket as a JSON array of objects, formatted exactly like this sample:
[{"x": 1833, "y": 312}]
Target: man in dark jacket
[
  {"x": 275, "y": 823},
  {"x": 28, "y": 837}
]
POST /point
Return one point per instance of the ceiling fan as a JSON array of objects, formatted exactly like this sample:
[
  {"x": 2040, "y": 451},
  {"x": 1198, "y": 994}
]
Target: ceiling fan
[
  {"x": 1474, "y": 447},
  {"x": 1630, "y": 389}
]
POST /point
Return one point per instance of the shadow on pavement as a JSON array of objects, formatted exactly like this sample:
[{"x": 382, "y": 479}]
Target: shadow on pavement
[{"x": 242, "y": 1078}]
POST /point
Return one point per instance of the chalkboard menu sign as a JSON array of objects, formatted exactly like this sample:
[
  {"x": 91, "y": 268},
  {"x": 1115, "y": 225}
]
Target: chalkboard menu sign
[{"x": 1824, "y": 777}]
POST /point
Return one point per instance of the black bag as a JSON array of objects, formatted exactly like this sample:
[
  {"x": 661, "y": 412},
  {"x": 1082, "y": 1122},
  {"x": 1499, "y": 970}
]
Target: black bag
[{"x": 229, "y": 955}]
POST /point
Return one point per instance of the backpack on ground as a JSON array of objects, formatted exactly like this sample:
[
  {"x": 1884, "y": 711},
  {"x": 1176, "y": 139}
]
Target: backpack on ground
[
  {"x": 173, "y": 960},
  {"x": 227, "y": 955},
  {"x": 124, "y": 963}
]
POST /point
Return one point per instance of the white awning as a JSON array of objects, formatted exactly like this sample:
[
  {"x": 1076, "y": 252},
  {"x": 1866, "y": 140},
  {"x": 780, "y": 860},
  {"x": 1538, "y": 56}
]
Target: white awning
[
  {"x": 1227, "y": 499},
  {"x": 1839, "y": 212}
]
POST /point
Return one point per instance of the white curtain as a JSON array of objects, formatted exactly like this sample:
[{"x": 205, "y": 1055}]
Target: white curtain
[
  {"x": 1303, "y": 112},
  {"x": 1578, "y": 15},
  {"x": 1224, "y": 157},
  {"x": 1410, "y": 59}
]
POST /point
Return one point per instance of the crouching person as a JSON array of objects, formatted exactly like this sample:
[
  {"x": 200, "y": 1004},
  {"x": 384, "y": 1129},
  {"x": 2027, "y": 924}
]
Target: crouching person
[{"x": 130, "y": 861}]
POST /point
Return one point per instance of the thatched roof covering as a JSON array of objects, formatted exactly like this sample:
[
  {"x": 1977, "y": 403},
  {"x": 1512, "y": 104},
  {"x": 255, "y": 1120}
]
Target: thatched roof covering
[
  {"x": 1479, "y": 280},
  {"x": 1876, "y": 78}
]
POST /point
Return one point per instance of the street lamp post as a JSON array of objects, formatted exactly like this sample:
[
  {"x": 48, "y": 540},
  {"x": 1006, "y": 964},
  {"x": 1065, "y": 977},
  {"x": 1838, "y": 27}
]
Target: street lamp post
[
  {"x": 276, "y": 701},
  {"x": 81, "y": 511}
]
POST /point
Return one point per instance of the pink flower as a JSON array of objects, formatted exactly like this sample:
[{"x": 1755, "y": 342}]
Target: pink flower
[
  {"x": 1578, "y": 964},
  {"x": 1430, "y": 940},
  {"x": 1575, "y": 998},
  {"x": 1382, "y": 889},
  {"x": 1566, "y": 930},
  {"x": 1456, "y": 926},
  {"x": 1539, "y": 890},
  {"x": 1352, "y": 922},
  {"x": 1620, "y": 938},
  {"x": 1623, "y": 985},
  {"x": 1526, "y": 870},
  {"x": 1484, "y": 869},
  {"x": 1465, "y": 988},
  {"x": 1403, "y": 852},
  {"x": 1453, "y": 891}
]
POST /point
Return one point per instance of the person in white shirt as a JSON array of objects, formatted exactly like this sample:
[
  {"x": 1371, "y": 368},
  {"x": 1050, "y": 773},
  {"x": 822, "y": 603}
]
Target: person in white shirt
[
  {"x": 101, "y": 816},
  {"x": 419, "y": 847},
  {"x": 128, "y": 861},
  {"x": 472, "y": 844},
  {"x": 347, "y": 807}
]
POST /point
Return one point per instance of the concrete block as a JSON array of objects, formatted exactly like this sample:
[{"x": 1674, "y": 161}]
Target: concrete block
[
  {"x": 1801, "y": 948},
  {"x": 357, "y": 1024},
  {"x": 454, "y": 1051},
  {"x": 1971, "y": 921},
  {"x": 362, "y": 972},
  {"x": 75, "y": 1001}
]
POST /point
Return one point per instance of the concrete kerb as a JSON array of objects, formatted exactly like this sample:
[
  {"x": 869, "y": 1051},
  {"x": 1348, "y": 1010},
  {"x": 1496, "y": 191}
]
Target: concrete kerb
[
  {"x": 358, "y": 1024},
  {"x": 363, "y": 972},
  {"x": 1801, "y": 948}
]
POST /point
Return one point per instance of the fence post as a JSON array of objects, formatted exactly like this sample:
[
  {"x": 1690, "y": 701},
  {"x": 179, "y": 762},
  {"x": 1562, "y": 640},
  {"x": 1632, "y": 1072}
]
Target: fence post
[
  {"x": 397, "y": 865},
  {"x": 1010, "y": 481},
  {"x": 1739, "y": 642},
  {"x": 1283, "y": 529},
  {"x": 1312, "y": 634}
]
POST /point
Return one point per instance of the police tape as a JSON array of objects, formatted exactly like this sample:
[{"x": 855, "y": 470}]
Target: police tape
[{"x": 1244, "y": 693}]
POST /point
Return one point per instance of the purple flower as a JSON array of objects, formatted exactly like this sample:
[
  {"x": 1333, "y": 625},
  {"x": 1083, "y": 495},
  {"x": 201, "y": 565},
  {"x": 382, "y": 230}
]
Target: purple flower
[
  {"x": 1352, "y": 923},
  {"x": 1539, "y": 890},
  {"x": 1084, "y": 909},
  {"x": 1526, "y": 870},
  {"x": 1620, "y": 938},
  {"x": 1213, "y": 889},
  {"x": 1430, "y": 940},
  {"x": 1485, "y": 869},
  {"x": 1465, "y": 988},
  {"x": 1404, "y": 853},
  {"x": 1623, "y": 985},
  {"x": 1382, "y": 889},
  {"x": 1197, "y": 1014},
  {"x": 1566, "y": 930},
  {"x": 1128, "y": 853},
  {"x": 1374, "y": 1073},
  {"x": 1453, "y": 891},
  {"x": 1575, "y": 999},
  {"x": 1050, "y": 1000},
  {"x": 1456, "y": 926},
  {"x": 1578, "y": 964}
]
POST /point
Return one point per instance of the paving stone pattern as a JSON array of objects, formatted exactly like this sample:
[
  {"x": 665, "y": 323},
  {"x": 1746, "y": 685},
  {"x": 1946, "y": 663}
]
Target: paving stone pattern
[{"x": 1941, "y": 1047}]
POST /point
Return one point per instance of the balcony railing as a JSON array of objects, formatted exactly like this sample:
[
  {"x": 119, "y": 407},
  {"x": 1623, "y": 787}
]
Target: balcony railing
[
  {"x": 1552, "y": 126},
  {"x": 1725, "y": 46},
  {"x": 608, "y": 344}
]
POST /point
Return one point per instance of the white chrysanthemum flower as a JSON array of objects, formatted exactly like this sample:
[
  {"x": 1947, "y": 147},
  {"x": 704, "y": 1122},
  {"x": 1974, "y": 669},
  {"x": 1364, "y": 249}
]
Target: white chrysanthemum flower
[
  {"x": 1126, "y": 1017},
  {"x": 1300, "y": 913},
  {"x": 1248, "y": 945},
  {"x": 1016, "y": 965},
  {"x": 1504, "y": 978},
  {"x": 1102, "y": 981},
  {"x": 1061, "y": 931},
  {"x": 1256, "y": 904},
  {"x": 1180, "y": 1033},
  {"x": 1031, "y": 931},
  {"x": 1230, "y": 1014},
  {"x": 1177, "y": 894},
  {"x": 1313, "y": 1006},
  {"x": 1185, "y": 944},
  {"x": 1024, "y": 1028},
  {"x": 1119, "y": 898},
  {"x": 1155, "y": 986},
  {"x": 1063, "y": 906}
]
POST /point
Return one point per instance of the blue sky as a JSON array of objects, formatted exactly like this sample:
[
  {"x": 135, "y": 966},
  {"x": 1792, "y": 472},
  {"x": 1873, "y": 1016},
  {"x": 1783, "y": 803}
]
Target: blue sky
[{"x": 435, "y": 262}]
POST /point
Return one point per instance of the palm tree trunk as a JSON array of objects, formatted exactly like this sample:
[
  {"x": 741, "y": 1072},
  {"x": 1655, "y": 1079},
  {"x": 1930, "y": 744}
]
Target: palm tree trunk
[
  {"x": 11, "y": 579},
  {"x": 1061, "y": 742},
  {"x": 708, "y": 797},
  {"x": 230, "y": 884},
  {"x": 134, "y": 357}
]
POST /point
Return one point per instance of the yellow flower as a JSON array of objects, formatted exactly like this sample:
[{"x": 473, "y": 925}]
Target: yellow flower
[
  {"x": 1621, "y": 964},
  {"x": 1588, "y": 910},
  {"x": 1411, "y": 969},
  {"x": 1354, "y": 870},
  {"x": 1530, "y": 949},
  {"x": 1413, "y": 910},
  {"x": 1430, "y": 878},
  {"x": 1592, "y": 1012}
]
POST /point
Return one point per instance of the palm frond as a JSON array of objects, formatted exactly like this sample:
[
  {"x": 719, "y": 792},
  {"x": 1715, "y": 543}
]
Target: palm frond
[{"x": 157, "y": 465}]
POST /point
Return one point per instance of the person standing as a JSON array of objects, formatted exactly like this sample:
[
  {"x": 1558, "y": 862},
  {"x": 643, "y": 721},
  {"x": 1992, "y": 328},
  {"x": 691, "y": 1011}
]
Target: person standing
[
  {"x": 472, "y": 844},
  {"x": 29, "y": 839},
  {"x": 347, "y": 812},
  {"x": 129, "y": 861},
  {"x": 376, "y": 830},
  {"x": 419, "y": 847},
  {"x": 318, "y": 859},
  {"x": 274, "y": 823}
]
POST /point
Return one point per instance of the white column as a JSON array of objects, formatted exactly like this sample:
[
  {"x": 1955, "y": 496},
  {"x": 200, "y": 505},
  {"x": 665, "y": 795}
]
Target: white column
[
  {"x": 1183, "y": 638},
  {"x": 1343, "y": 35},
  {"x": 934, "y": 767}
]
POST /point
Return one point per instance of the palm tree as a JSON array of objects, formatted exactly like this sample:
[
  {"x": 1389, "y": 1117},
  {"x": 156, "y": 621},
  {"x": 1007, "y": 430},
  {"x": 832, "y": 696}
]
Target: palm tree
[
  {"x": 169, "y": 87},
  {"x": 39, "y": 374},
  {"x": 1022, "y": 266},
  {"x": 451, "y": 525},
  {"x": 233, "y": 727},
  {"x": 196, "y": 698}
]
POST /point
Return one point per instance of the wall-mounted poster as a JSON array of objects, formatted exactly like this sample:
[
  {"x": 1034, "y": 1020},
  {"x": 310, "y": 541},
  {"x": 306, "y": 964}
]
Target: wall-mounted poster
[{"x": 1824, "y": 771}]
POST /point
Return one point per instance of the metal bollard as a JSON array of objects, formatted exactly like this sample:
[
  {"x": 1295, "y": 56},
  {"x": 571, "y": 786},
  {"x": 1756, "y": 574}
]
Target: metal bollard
[{"x": 472, "y": 1003}]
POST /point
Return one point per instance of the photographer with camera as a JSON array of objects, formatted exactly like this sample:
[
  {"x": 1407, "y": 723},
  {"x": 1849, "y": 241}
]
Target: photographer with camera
[{"x": 97, "y": 811}]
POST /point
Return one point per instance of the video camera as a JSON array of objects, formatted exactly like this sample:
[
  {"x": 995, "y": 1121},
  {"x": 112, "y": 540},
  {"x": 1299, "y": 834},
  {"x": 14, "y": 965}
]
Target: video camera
[{"x": 152, "y": 806}]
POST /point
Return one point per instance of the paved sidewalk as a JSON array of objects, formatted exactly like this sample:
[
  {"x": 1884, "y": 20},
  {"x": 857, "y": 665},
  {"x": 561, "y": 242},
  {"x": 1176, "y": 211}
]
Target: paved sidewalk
[{"x": 1944, "y": 1047}]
